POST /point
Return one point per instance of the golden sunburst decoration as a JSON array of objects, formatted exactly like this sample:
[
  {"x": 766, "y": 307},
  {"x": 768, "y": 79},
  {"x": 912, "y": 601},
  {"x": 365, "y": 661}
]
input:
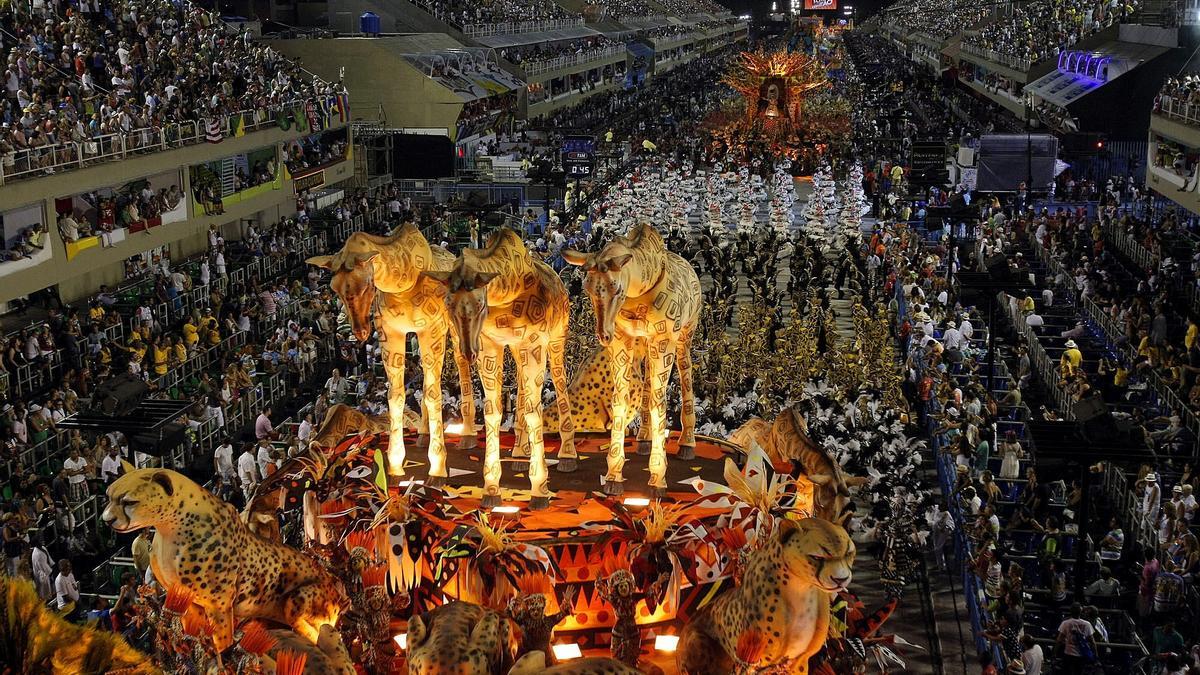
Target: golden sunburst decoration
[{"x": 774, "y": 85}]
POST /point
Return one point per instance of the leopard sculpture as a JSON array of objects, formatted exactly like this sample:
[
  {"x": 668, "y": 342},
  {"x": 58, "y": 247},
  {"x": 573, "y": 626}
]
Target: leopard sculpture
[
  {"x": 783, "y": 601},
  {"x": 460, "y": 638},
  {"x": 202, "y": 544},
  {"x": 34, "y": 639},
  {"x": 591, "y": 397},
  {"x": 327, "y": 657},
  {"x": 786, "y": 440}
]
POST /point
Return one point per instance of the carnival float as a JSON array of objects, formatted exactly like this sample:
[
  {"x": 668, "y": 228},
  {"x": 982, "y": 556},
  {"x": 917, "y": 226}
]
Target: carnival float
[{"x": 680, "y": 497}]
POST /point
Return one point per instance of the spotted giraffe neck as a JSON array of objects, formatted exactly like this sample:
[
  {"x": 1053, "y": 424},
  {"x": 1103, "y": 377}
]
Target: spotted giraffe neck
[
  {"x": 396, "y": 269},
  {"x": 505, "y": 255}
]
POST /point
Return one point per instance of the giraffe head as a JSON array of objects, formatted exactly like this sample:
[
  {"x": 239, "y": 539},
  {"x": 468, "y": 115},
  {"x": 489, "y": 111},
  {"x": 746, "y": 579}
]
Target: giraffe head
[
  {"x": 466, "y": 303},
  {"x": 606, "y": 283},
  {"x": 354, "y": 282}
]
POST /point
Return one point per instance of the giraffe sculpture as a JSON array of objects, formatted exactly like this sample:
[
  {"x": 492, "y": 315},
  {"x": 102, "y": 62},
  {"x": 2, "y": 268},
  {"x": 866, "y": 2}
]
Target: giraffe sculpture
[
  {"x": 647, "y": 303},
  {"x": 392, "y": 266},
  {"x": 501, "y": 296}
]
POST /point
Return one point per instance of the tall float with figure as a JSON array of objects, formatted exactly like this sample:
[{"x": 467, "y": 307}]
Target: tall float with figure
[
  {"x": 393, "y": 267},
  {"x": 501, "y": 297},
  {"x": 647, "y": 305}
]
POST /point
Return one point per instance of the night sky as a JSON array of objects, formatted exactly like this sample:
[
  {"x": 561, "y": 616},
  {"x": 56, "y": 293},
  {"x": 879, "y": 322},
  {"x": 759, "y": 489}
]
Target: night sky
[{"x": 760, "y": 8}]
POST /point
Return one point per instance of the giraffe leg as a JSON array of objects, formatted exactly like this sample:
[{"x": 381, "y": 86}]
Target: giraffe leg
[
  {"x": 469, "y": 438},
  {"x": 433, "y": 354},
  {"x": 393, "y": 365},
  {"x": 620, "y": 361},
  {"x": 533, "y": 374},
  {"x": 491, "y": 374},
  {"x": 568, "y": 458},
  {"x": 644, "y": 433},
  {"x": 520, "y": 429},
  {"x": 660, "y": 358},
  {"x": 687, "y": 405}
]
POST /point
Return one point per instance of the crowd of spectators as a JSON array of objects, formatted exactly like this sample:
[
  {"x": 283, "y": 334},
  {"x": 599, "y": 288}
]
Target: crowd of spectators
[
  {"x": 1036, "y": 31},
  {"x": 1016, "y": 525},
  {"x": 1179, "y": 96},
  {"x": 72, "y": 76},
  {"x": 526, "y": 55},
  {"x": 630, "y": 8},
  {"x": 940, "y": 18},
  {"x": 462, "y": 13},
  {"x": 313, "y": 151},
  {"x": 146, "y": 332}
]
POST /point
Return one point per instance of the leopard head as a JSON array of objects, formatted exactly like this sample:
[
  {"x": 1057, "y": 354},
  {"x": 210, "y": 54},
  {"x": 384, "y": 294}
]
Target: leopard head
[
  {"x": 144, "y": 498},
  {"x": 817, "y": 552}
]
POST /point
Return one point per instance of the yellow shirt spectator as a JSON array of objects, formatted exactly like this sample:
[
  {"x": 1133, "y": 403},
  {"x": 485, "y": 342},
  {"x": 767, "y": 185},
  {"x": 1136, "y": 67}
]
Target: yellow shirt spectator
[
  {"x": 160, "y": 361},
  {"x": 191, "y": 334},
  {"x": 1027, "y": 304},
  {"x": 96, "y": 313},
  {"x": 1189, "y": 338},
  {"x": 214, "y": 337},
  {"x": 1071, "y": 358},
  {"x": 180, "y": 352},
  {"x": 1121, "y": 377}
]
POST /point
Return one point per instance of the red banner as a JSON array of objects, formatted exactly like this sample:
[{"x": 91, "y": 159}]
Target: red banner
[{"x": 820, "y": 4}]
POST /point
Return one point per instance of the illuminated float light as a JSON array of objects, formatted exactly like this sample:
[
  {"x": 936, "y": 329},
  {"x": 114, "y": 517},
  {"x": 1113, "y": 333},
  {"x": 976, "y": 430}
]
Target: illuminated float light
[
  {"x": 567, "y": 651},
  {"x": 666, "y": 643},
  {"x": 407, "y": 483},
  {"x": 636, "y": 501},
  {"x": 402, "y": 641},
  {"x": 506, "y": 510},
  {"x": 457, "y": 428}
]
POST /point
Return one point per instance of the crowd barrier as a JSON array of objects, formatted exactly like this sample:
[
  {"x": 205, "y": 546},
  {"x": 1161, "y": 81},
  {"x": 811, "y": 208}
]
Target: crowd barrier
[
  {"x": 569, "y": 60},
  {"x": 1179, "y": 108},
  {"x": 477, "y": 30}
]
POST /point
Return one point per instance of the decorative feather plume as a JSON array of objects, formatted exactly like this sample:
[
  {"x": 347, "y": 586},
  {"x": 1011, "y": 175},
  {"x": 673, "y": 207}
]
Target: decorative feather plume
[
  {"x": 288, "y": 662},
  {"x": 179, "y": 598},
  {"x": 256, "y": 639}
]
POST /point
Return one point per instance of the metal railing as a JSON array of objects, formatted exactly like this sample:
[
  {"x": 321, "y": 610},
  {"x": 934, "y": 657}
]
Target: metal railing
[
  {"x": 1019, "y": 64},
  {"x": 1042, "y": 364},
  {"x": 72, "y": 155},
  {"x": 515, "y": 27},
  {"x": 1179, "y": 108},
  {"x": 569, "y": 60}
]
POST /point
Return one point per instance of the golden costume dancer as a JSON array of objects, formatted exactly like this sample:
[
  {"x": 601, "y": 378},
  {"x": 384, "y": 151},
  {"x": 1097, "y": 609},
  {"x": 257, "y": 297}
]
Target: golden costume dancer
[
  {"x": 501, "y": 296},
  {"x": 647, "y": 301},
  {"x": 392, "y": 265}
]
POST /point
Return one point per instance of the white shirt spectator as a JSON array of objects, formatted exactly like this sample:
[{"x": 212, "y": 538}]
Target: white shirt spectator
[
  {"x": 223, "y": 461},
  {"x": 952, "y": 338},
  {"x": 75, "y": 465},
  {"x": 66, "y": 590},
  {"x": 304, "y": 432},
  {"x": 1032, "y": 659},
  {"x": 247, "y": 470},
  {"x": 1035, "y": 320},
  {"x": 264, "y": 458},
  {"x": 110, "y": 467}
]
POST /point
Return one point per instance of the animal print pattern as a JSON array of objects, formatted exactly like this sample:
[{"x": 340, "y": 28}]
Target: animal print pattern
[
  {"x": 501, "y": 297},
  {"x": 591, "y": 396},
  {"x": 461, "y": 638},
  {"x": 199, "y": 542},
  {"x": 659, "y": 314},
  {"x": 784, "y": 600},
  {"x": 393, "y": 266}
]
